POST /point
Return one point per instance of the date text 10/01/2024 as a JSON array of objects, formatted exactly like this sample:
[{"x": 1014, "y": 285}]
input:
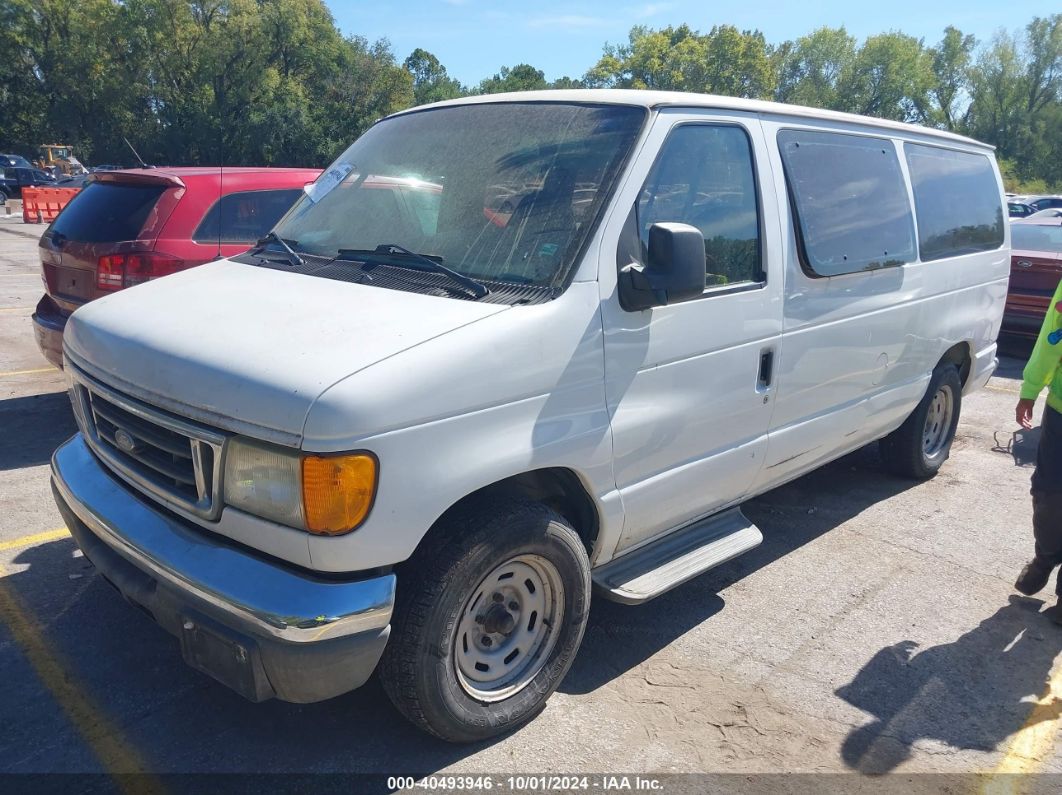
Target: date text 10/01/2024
[{"x": 523, "y": 783}]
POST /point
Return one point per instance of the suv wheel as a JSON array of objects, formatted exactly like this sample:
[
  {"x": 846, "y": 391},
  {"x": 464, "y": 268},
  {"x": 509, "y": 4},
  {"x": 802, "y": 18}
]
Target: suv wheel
[{"x": 488, "y": 617}]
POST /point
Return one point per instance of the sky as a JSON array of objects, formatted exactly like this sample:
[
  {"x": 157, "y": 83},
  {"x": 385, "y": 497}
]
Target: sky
[{"x": 474, "y": 38}]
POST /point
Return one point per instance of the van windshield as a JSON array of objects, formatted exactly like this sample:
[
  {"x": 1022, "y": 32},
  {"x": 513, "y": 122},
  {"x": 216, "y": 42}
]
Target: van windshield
[{"x": 506, "y": 192}]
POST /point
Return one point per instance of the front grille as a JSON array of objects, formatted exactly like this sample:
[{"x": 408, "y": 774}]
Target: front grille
[
  {"x": 170, "y": 458},
  {"x": 160, "y": 450}
]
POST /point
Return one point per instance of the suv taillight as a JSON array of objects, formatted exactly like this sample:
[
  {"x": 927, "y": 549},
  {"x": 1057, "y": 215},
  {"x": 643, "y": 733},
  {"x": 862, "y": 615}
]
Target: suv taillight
[{"x": 115, "y": 271}]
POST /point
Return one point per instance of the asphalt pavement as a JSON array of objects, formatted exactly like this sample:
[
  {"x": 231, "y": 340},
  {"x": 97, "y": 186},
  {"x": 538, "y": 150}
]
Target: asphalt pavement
[{"x": 874, "y": 634}]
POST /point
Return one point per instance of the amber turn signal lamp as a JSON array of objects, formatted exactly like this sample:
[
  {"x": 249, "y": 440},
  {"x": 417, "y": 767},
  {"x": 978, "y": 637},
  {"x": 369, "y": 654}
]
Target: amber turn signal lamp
[{"x": 337, "y": 491}]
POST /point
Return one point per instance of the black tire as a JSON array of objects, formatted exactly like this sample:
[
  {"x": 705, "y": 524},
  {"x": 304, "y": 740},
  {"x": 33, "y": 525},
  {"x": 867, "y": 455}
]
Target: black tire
[
  {"x": 904, "y": 451},
  {"x": 419, "y": 669}
]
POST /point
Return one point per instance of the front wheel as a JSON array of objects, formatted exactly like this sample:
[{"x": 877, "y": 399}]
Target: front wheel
[
  {"x": 488, "y": 617},
  {"x": 919, "y": 447}
]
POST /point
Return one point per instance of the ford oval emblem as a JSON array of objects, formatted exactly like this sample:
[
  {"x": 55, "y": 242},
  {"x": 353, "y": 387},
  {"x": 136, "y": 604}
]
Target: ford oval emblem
[{"x": 125, "y": 440}]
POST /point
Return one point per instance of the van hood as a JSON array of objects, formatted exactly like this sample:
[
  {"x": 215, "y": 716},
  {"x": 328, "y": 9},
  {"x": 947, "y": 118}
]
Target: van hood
[{"x": 249, "y": 349}]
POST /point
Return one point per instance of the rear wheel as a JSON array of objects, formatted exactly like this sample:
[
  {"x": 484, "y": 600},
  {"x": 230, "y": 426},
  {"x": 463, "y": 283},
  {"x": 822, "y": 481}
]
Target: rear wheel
[
  {"x": 919, "y": 447},
  {"x": 488, "y": 617}
]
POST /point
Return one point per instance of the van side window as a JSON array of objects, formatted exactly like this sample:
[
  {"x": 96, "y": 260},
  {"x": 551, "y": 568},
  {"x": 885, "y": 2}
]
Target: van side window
[
  {"x": 956, "y": 201},
  {"x": 704, "y": 177},
  {"x": 849, "y": 199},
  {"x": 245, "y": 216}
]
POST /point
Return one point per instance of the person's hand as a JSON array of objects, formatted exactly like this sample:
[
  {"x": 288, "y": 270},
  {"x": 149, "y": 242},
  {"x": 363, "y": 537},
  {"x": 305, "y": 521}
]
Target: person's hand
[{"x": 1023, "y": 413}]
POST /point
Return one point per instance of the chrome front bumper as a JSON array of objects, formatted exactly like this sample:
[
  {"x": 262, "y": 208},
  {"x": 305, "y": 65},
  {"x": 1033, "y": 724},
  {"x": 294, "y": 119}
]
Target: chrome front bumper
[{"x": 298, "y": 637}]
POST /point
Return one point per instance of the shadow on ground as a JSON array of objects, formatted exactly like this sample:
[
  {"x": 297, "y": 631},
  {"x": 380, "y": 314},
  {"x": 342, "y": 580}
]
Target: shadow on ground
[
  {"x": 176, "y": 719},
  {"x": 620, "y": 637},
  {"x": 972, "y": 693},
  {"x": 1020, "y": 445},
  {"x": 1013, "y": 354},
  {"x": 33, "y": 426}
]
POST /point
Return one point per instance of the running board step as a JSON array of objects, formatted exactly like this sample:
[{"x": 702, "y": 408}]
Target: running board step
[{"x": 660, "y": 566}]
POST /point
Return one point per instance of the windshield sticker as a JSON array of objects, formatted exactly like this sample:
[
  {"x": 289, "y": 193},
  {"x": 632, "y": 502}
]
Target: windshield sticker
[{"x": 327, "y": 181}]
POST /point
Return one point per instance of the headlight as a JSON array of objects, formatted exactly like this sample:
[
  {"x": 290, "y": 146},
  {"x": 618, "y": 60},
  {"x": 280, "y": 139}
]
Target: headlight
[{"x": 327, "y": 495}]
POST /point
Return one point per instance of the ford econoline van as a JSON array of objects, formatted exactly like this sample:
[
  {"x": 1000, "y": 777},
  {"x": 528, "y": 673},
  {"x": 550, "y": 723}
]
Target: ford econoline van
[{"x": 415, "y": 428}]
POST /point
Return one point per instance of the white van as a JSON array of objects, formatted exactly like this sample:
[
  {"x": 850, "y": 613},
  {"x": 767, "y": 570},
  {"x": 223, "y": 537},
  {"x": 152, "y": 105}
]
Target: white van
[{"x": 511, "y": 349}]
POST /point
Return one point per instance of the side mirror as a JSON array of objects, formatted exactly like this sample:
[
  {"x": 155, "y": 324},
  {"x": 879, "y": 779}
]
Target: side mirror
[{"x": 674, "y": 272}]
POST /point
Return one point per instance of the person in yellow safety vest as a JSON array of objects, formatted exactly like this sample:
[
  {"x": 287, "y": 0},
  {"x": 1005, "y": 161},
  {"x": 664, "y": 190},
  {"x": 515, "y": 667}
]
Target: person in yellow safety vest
[{"x": 1042, "y": 370}]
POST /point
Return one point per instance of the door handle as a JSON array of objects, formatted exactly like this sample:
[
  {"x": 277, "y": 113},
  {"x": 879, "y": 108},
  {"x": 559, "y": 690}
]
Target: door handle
[{"x": 766, "y": 376}]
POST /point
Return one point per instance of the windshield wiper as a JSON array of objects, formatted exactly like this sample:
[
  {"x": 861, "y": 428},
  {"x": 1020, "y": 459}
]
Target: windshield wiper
[
  {"x": 273, "y": 237},
  {"x": 478, "y": 289}
]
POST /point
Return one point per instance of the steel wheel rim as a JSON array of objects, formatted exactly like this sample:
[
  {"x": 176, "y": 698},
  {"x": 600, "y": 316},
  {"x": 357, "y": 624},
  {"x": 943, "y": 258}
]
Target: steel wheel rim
[
  {"x": 502, "y": 644},
  {"x": 938, "y": 423}
]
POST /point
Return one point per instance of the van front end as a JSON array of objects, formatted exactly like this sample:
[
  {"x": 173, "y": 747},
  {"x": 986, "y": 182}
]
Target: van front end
[
  {"x": 131, "y": 486},
  {"x": 261, "y": 628}
]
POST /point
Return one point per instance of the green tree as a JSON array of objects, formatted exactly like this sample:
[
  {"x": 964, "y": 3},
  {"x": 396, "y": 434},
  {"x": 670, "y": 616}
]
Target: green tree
[
  {"x": 1043, "y": 70},
  {"x": 997, "y": 109},
  {"x": 522, "y": 77},
  {"x": 431, "y": 83},
  {"x": 1016, "y": 90},
  {"x": 60, "y": 69},
  {"x": 811, "y": 69},
  {"x": 191, "y": 81},
  {"x": 723, "y": 61},
  {"x": 275, "y": 82},
  {"x": 567, "y": 82},
  {"x": 951, "y": 60},
  {"x": 890, "y": 77}
]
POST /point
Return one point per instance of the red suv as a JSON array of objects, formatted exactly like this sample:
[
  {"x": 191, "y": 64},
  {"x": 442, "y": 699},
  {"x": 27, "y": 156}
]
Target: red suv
[
  {"x": 126, "y": 227},
  {"x": 1035, "y": 268}
]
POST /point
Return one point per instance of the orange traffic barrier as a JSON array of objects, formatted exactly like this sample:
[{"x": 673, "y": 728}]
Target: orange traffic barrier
[{"x": 41, "y": 205}]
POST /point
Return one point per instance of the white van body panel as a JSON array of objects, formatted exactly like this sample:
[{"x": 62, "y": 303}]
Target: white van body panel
[
  {"x": 474, "y": 419},
  {"x": 858, "y": 349},
  {"x": 656, "y": 413},
  {"x": 251, "y": 348},
  {"x": 689, "y": 423}
]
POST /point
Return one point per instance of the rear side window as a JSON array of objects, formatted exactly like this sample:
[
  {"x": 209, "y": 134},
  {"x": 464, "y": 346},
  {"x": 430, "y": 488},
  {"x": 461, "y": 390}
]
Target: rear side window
[
  {"x": 107, "y": 212},
  {"x": 850, "y": 201},
  {"x": 956, "y": 200},
  {"x": 246, "y": 216}
]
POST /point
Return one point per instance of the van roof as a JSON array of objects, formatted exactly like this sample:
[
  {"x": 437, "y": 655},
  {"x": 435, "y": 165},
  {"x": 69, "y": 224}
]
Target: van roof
[{"x": 665, "y": 99}]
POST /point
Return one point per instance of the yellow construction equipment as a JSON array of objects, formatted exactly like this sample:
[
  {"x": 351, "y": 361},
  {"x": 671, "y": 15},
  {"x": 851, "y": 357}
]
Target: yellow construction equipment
[{"x": 59, "y": 159}]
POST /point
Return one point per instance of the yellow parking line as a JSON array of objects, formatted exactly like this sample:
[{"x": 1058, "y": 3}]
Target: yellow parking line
[
  {"x": 115, "y": 754},
  {"x": 994, "y": 388},
  {"x": 36, "y": 538},
  {"x": 118, "y": 757},
  {"x": 28, "y": 372},
  {"x": 15, "y": 308},
  {"x": 1031, "y": 745}
]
